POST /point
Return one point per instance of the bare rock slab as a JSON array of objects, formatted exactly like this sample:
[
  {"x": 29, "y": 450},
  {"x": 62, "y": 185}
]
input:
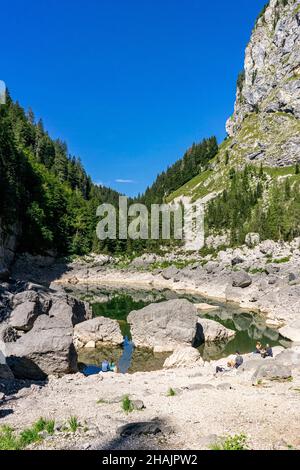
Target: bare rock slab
[
  {"x": 183, "y": 356},
  {"x": 45, "y": 350},
  {"x": 164, "y": 326},
  {"x": 211, "y": 331},
  {"x": 98, "y": 330}
]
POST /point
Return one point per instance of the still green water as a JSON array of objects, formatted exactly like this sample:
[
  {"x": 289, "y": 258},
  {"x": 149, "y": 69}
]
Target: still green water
[{"x": 117, "y": 304}]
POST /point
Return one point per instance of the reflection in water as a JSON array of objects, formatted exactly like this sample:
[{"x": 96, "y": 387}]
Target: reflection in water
[
  {"x": 118, "y": 303},
  {"x": 125, "y": 361}
]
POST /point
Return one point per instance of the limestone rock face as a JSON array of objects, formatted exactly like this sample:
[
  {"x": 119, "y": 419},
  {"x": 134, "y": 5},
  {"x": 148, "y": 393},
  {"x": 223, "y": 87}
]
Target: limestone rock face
[
  {"x": 164, "y": 326},
  {"x": 290, "y": 333},
  {"x": 45, "y": 350},
  {"x": 212, "y": 331},
  {"x": 184, "y": 356},
  {"x": 98, "y": 330},
  {"x": 24, "y": 316},
  {"x": 266, "y": 119},
  {"x": 272, "y": 370}
]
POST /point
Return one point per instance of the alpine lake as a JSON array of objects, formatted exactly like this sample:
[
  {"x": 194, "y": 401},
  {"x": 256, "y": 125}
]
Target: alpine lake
[{"x": 117, "y": 303}]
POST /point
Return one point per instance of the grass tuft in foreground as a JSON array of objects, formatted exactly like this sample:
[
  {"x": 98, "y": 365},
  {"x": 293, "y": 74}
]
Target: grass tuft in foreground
[
  {"x": 9, "y": 440},
  {"x": 237, "y": 442},
  {"x": 127, "y": 405}
]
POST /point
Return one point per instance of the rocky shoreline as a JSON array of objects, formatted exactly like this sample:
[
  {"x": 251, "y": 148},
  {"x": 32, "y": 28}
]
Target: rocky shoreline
[
  {"x": 264, "y": 279},
  {"x": 41, "y": 327}
]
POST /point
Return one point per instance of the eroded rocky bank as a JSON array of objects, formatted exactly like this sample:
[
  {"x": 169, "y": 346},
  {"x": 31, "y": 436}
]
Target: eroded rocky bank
[{"x": 183, "y": 406}]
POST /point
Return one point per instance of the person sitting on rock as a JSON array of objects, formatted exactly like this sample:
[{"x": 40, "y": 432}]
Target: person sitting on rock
[
  {"x": 235, "y": 364},
  {"x": 267, "y": 351},
  {"x": 258, "y": 348},
  {"x": 238, "y": 360}
]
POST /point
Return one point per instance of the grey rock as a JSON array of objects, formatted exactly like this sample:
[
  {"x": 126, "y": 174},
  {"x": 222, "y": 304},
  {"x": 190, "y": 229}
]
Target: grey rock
[
  {"x": 237, "y": 260},
  {"x": 289, "y": 357},
  {"x": 141, "y": 428},
  {"x": 200, "y": 387},
  {"x": 211, "y": 331},
  {"x": 138, "y": 405},
  {"x": 211, "y": 267},
  {"x": 47, "y": 349},
  {"x": 272, "y": 370},
  {"x": 241, "y": 279},
  {"x": 98, "y": 330},
  {"x": 272, "y": 269},
  {"x": 269, "y": 95},
  {"x": 69, "y": 311},
  {"x": 165, "y": 325},
  {"x": 290, "y": 333},
  {"x": 183, "y": 356},
  {"x": 24, "y": 316},
  {"x": 170, "y": 273}
]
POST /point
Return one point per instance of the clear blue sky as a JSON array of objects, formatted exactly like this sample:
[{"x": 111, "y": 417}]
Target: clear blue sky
[{"x": 129, "y": 84}]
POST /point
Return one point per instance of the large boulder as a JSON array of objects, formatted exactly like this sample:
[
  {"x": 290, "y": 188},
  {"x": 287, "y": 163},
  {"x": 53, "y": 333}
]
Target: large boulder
[
  {"x": 290, "y": 333},
  {"x": 272, "y": 370},
  {"x": 45, "y": 350},
  {"x": 164, "y": 326},
  {"x": 241, "y": 279},
  {"x": 184, "y": 356},
  {"x": 290, "y": 357},
  {"x": 211, "y": 331},
  {"x": 41, "y": 299},
  {"x": 69, "y": 310},
  {"x": 98, "y": 330},
  {"x": 24, "y": 316}
]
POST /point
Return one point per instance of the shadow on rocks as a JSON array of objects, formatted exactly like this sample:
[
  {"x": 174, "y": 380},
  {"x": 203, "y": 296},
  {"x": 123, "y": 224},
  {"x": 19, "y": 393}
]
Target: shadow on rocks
[{"x": 142, "y": 435}]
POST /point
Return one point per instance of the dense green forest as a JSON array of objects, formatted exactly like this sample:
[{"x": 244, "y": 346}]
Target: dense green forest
[
  {"x": 254, "y": 202},
  {"x": 50, "y": 196},
  {"x": 195, "y": 160},
  {"x": 44, "y": 189}
]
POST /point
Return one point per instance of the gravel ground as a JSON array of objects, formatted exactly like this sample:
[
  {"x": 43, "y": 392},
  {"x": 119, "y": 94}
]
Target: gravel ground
[{"x": 203, "y": 409}]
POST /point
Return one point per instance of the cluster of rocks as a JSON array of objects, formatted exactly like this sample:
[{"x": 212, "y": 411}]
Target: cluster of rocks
[
  {"x": 36, "y": 331},
  {"x": 174, "y": 326}
]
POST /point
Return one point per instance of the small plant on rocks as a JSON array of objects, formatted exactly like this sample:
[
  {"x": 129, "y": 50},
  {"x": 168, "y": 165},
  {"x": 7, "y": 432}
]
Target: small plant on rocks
[
  {"x": 127, "y": 405},
  {"x": 237, "y": 442},
  {"x": 73, "y": 423}
]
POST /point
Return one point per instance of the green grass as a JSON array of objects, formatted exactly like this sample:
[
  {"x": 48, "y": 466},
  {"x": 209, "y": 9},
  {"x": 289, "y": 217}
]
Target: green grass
[
  {"x": 237, "y": 442},
  {"x": 280, "y": 260},
  {"x": 171, "y": 392},
  {"x": 73, "y": 423},
  {"x": 9, "y": 440},
  {"x": 256, "y": 270},
  {"x": 126, "y": 404},
  {"x": 282, "y": 380},
  {"x": 101, "y": 401},
  {"x": 276, "y": 172}
]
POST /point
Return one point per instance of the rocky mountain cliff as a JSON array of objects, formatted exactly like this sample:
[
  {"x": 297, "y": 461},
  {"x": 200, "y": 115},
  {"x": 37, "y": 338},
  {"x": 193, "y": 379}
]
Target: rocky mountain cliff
[
  {"x": 267, "y": 109},
  {"x": 253, "y": 183}
]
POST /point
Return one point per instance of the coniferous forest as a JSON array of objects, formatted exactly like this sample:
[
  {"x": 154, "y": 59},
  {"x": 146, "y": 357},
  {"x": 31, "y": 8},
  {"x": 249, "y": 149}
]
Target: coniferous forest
[{"x": 46, "y": 194}]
